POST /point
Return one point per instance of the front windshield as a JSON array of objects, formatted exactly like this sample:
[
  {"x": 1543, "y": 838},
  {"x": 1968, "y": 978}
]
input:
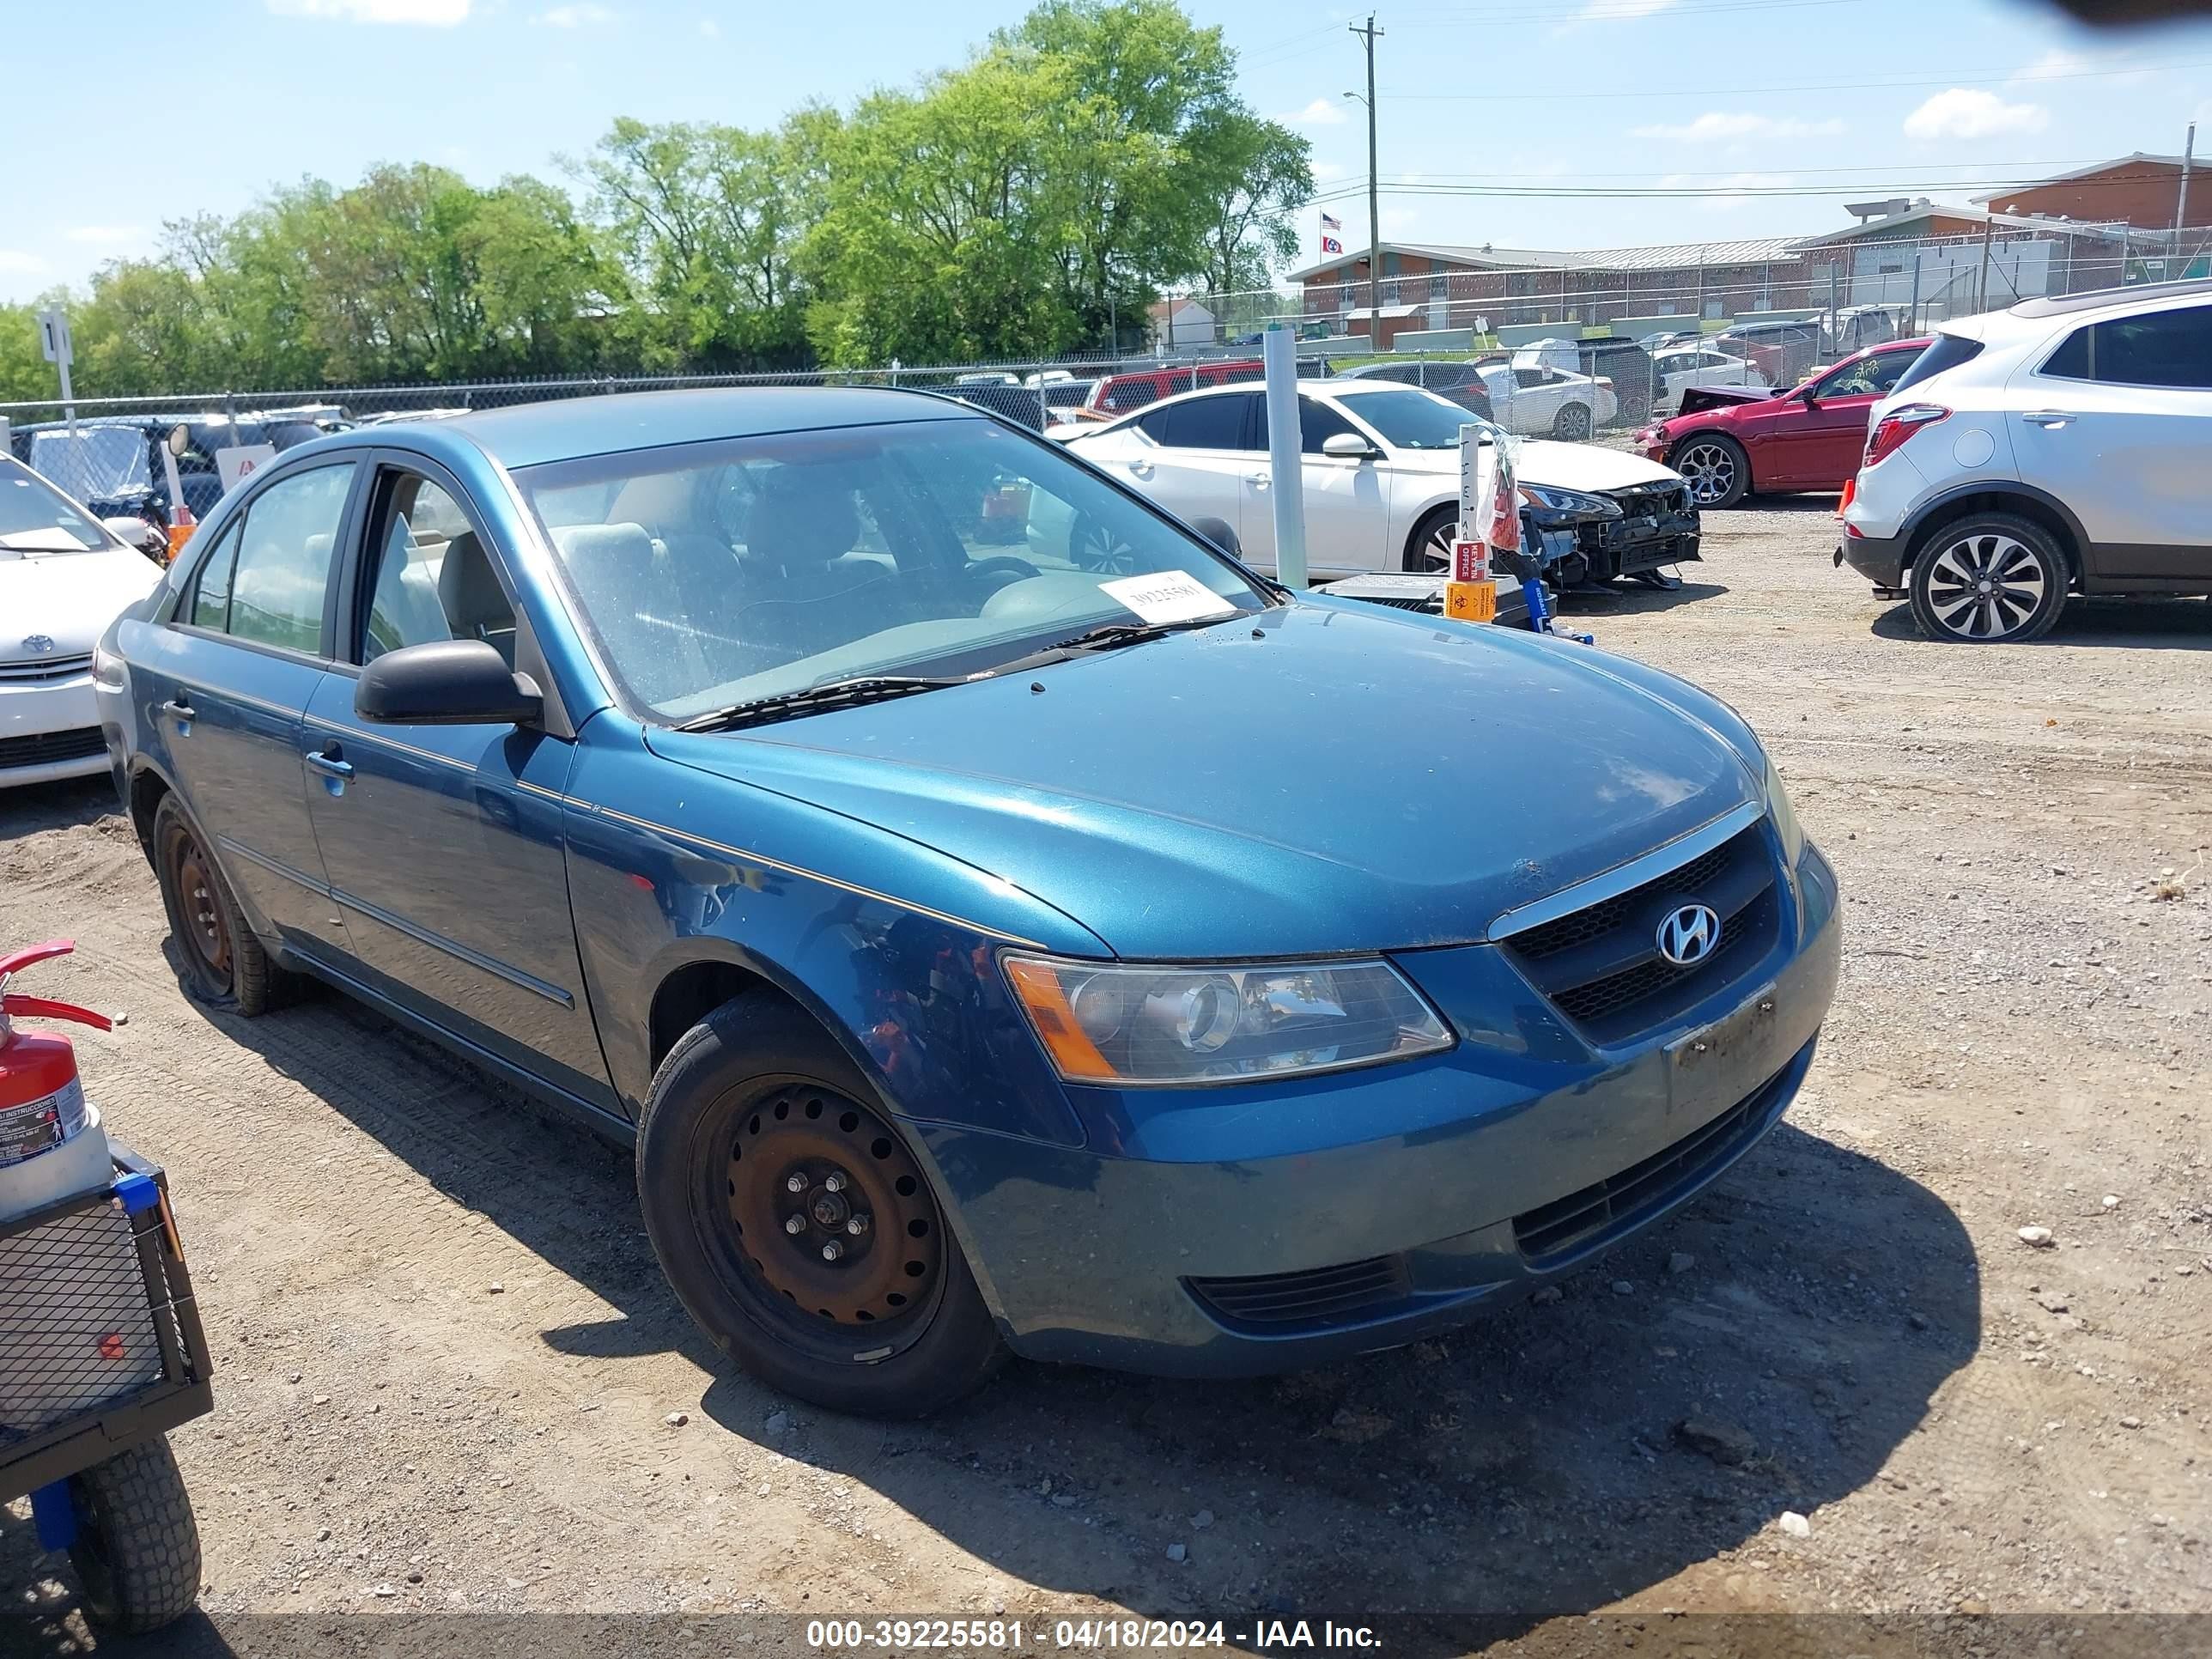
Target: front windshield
[
  {"x": 1406, "y": 416},
  {"x": 98, "y": 460},
  {"x": 720, "y": 573},
  {"x": 36, "y": 517}
]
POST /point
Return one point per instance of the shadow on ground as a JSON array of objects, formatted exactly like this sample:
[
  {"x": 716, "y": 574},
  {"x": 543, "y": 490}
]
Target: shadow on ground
[
  {"x": 1628, "y": 598},
  {"x": 1798, "y": 1318},
  {"x": 2154, "y": 624}
]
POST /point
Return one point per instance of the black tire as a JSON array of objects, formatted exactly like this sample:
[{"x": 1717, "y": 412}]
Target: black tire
[
  {"x": 1094, "y": 545},
  {"x": 1989, "y": 579},
  {"x": 225, "y": 965},
  {"x": 750, "y": 1098},
  {"x": 1573, "y": 424},
  {"x": 1428, "y": 549},
  {"x": 137, "y": 1550},
  {"x": 1716, "y": 467}
]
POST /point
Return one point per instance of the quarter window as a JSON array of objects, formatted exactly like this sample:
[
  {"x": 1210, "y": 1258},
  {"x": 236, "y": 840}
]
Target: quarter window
[
  {"x": 211, "y": 594},
  {"x": 283, "y": 568},
  {"x": 433, "y": 579}
]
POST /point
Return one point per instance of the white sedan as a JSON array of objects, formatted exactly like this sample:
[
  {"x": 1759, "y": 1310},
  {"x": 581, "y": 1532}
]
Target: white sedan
[
  {"x": 1680, "y": 369},
  {"x": 64, "y": 577},
  {"x": 1381, "y": 479}
]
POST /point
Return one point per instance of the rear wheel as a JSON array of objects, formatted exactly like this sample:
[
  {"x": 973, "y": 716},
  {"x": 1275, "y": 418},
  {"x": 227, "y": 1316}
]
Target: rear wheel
[
  {"x": 1572, "y": 424},
  {"x": 796, "y": 1225},
  {"x": 137, "y": 1549},
  {"x": 1992, "y": 577},
  {"x": 1095, "y": 545},
  {"x": 1716, "y": 468},
  {"x": 225, "y": 965}
]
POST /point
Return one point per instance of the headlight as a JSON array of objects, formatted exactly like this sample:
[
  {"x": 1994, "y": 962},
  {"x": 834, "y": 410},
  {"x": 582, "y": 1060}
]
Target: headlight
[
  {"x": 1784, "y": 816},
  {"x": 1136, "y": 1026},
  {"x": 1556, "y": 507}
]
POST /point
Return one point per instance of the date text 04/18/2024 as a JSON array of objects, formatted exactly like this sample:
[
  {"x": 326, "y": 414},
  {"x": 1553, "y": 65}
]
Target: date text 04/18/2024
[{"x": 981, "y": 1635}]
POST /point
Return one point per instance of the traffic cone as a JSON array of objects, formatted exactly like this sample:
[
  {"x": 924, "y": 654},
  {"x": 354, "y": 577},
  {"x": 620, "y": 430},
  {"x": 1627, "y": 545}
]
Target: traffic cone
[{"x": 181, "y": 525}]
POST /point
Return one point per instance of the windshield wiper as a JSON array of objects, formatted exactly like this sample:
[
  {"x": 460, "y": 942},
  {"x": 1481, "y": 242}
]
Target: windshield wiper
[
  {"x": 1106, "y": 636},
  {"x": 813, "y": 699}
]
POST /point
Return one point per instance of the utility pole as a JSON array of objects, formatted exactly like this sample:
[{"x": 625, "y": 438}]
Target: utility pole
[
  {"x": 2181, "y": 201},
  {"x": 1368, "y": 37}
]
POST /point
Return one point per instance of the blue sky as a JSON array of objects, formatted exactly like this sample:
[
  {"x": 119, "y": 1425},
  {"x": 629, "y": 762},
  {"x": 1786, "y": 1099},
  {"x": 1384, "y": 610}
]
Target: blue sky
[{"x": 1710, "y": 96}]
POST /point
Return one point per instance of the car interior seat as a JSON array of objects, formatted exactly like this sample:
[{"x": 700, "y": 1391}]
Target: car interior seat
[{"x": 475, "y": 605}]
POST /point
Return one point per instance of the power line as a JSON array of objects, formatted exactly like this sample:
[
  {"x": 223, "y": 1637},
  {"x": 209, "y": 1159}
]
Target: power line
[
  {"x": 2020, "y": 78},
  {"x": 1720, "y": 187}
]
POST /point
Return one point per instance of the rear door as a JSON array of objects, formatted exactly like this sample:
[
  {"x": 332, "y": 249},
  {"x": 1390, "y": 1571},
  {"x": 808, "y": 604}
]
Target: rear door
[
  {"x": 444, "y": 844},
  {"x": 2117, "y": 423},
  {"x": 228, "y": 680},
  {"x": 1192, "y": 457}
]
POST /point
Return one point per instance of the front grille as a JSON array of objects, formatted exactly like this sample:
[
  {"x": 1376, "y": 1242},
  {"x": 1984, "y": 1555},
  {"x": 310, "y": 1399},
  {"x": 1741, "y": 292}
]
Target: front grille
[
  {"x": 1601, "y": 965},
  {"x": 48, "y": 747},
  {"x": 1315, "y": 1297},
  {"x": 1657, "y": 502},
  {"x": 77, "y": 1325},
  {"x": 39, "y": 671},
  {"x": 1615, "y": 1204}
]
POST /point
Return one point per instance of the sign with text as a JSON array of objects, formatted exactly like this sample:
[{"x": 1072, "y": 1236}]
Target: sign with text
[{"x": 238, "y": 461}]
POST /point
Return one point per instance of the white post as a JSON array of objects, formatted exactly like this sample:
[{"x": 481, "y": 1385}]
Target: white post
[
  {"x": 1278, "y": 354},
  {"x": 54, "y": 342}
]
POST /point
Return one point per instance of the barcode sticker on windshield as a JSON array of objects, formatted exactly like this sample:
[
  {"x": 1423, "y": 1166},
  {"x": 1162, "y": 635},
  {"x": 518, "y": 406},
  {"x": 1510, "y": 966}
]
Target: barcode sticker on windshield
[{"x": 1167, "y": 596}]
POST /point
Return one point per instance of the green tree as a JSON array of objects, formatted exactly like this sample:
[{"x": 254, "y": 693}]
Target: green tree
[{"x": 1259, "y": 173}]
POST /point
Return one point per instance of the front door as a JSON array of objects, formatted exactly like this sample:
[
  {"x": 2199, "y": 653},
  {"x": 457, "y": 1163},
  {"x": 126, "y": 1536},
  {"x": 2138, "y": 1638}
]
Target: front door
[
  {"x": 2118, "y": 424},
  {"x": 444, "y": 843},
  {"x": 1347, "y": 517},
  {"x": 228, "y": 682}
]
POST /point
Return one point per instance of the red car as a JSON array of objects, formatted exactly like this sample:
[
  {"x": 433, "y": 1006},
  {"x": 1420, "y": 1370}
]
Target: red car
[
  {"x": 1733, "y": 442},
  {"x": 1117, "y": 394}
]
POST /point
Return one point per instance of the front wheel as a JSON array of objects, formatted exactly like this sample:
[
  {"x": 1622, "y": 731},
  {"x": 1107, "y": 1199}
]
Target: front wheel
[
  {"x": 1572, "y": 424},
  {"x": 1716, "y": 468},
  {"x": 137, "y": 1549},
  {"x": 797, "y": 1227},
  {"x": 1428, "y": 548},
  {"x": 1988, "y": 578}
]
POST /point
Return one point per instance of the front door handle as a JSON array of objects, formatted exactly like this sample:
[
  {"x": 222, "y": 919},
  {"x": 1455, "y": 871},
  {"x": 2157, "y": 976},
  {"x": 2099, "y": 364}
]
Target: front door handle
[
  {"x": 1141, "y": 469},
  {"x": 331, "y": 762},
  {"x": 1262, "y": 480},
  {"x": 2049, "y": 419},
  {"x": 178, "y": 708}
]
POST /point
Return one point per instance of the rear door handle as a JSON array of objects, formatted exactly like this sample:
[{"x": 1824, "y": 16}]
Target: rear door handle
[
  {"x": 2049, "y": 419},
  {"x": 1262, "y": 480},
  {"x": 330, "y": 760},
  {"x": 1141, "y": 469}
]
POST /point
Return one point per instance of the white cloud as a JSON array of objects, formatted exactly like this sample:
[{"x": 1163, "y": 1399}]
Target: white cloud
[
  {"x": 438, "y": 13},
  {"x": 574, "y": 17},
  {"x": 1725, "y": 195},
  {"x": 104, "y": 235},
  {"x": 2061, "y": 63},
  {"x": 1322, "y": 112},
  {"x": 1970, "y": 113},
  {"x": 1721, "y": 126},
  {"x": 18, "y": 264},
  {"x": 709, "y": 27}
]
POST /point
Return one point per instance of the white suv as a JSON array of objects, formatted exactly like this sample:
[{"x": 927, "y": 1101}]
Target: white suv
[{"x": 2064, "y": 446}]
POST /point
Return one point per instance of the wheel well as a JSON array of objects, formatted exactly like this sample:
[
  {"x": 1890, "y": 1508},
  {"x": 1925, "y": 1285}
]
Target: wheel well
[
  {"x": 146, "y": 792},
  {"x": 1418, "y": 534},
  {"x": 2037, "y": 513},
  {"x": 695, "y": 991}
]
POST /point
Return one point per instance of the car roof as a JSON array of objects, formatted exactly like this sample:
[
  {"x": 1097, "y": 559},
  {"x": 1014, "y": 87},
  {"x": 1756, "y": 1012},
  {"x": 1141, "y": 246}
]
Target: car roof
[
  {"x": 2060, "y": 305},
  {"x": 529, "y": 434}
]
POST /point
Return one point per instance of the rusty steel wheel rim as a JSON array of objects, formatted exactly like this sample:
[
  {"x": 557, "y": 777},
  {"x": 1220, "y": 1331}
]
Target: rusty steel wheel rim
[
  {"x": 206, "y": 929},
  {"x": 833, "y": 1221}
]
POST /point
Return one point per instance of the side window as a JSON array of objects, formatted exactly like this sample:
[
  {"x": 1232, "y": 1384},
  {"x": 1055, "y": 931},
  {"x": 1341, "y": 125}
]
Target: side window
[
  {"x": 433, "y": 579},
  {"x": 1885, "y": 368},
  {"x": 2164, "y": 349},
  {"x": 1317, "y": 424},
  {"x": 283, "y": 567},
  {"x": 1201, "y": 424},
  {"x": 211, "y": 588}
]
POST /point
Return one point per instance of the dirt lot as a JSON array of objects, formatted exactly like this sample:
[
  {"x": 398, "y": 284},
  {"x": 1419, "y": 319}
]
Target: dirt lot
[{"x": 448, "y": 1365}]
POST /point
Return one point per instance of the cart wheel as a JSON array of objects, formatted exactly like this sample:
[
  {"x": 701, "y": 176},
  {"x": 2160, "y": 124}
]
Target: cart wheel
[{"x": 137, "y": 1551}]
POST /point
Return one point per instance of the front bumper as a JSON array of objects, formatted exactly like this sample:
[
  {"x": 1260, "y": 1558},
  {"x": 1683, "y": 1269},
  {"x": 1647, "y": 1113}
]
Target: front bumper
[
  {"x": 1232, "y": 1231},
  {"x": 1656, "y": 527},
  {"x": 49, "y": 727}
]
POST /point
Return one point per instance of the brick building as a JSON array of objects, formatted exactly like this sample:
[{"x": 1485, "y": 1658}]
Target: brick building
[{"x": 2141, "y": 191}]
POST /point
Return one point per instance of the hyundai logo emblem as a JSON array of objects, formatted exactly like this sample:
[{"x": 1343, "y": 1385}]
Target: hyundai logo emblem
[
  {"x": 1688, "y": 935},
  {"x": 38, "y": 644}
]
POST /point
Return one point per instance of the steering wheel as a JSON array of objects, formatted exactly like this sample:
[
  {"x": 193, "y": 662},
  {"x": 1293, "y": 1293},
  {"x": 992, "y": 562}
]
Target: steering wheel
[{"x": 1016, "y": 569}]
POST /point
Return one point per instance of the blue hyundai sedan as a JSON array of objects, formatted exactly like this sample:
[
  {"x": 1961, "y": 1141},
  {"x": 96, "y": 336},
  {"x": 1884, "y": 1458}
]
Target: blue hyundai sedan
[{"x": 1001, "y": 921}]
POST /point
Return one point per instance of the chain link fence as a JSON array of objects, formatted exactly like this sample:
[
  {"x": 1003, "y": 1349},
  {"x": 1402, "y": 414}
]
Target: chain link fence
[{"x": 1567, "y": 347}]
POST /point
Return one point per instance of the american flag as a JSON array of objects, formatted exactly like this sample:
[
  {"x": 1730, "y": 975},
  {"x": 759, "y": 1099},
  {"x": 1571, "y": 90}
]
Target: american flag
[{"x": 1328, "y": 223}]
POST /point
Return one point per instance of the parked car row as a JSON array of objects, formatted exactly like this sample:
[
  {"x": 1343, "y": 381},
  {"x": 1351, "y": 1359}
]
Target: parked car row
[{"x": 986, "y": 949}]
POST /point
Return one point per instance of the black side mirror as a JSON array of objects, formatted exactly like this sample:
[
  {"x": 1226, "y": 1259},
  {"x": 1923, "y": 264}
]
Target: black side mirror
[{"x": 446, "y": 683}]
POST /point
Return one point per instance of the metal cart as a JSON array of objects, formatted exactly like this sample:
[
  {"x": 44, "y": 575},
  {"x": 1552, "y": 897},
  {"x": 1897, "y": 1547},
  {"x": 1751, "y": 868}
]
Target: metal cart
[{"x": 101, "y": 1353}]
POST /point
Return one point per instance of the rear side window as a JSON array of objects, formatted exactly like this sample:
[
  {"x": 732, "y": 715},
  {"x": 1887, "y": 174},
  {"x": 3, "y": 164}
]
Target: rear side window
[
  {"x": 211, "y": 594},
  {"x": 2164, "y": 349},
  {"x": 1200, "y": 424},
  {"x": 283, "y": 570},
  {"x": 1945, "y": 351}
]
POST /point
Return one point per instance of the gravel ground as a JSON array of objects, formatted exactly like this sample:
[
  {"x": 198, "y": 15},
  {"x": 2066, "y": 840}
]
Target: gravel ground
[{"x": 450, "y": 1378}]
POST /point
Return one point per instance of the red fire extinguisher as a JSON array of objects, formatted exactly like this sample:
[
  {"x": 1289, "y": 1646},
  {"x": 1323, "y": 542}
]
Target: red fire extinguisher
[{"x": 41, "y": 1102}]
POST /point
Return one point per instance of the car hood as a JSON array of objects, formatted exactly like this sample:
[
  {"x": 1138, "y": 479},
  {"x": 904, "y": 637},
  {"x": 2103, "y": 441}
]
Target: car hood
[
  {"x": 69, "y": 597},
  {"x": 1330, "y": 776},
  {"x": 1564, "y": 466}
]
